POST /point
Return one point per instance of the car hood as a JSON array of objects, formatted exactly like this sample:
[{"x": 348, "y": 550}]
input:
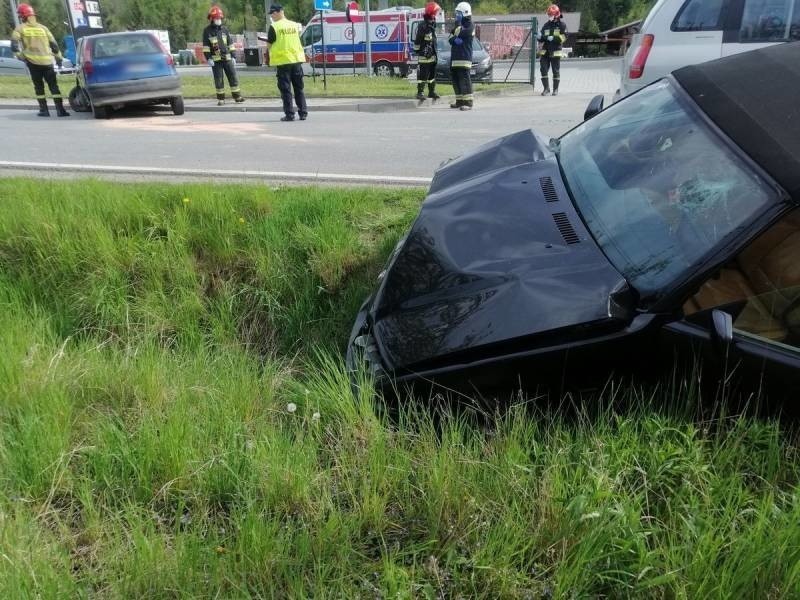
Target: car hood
[{"x": 498, "y": 260}]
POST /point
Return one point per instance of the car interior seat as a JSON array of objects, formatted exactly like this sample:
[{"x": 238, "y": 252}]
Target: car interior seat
[{"x": 766, "y": 275}]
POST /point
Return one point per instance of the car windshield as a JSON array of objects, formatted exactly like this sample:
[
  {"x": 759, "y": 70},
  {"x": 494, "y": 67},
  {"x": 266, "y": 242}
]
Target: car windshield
[
  {"x": 120, "y": 45},
  {"x": 658, "y": 190}
]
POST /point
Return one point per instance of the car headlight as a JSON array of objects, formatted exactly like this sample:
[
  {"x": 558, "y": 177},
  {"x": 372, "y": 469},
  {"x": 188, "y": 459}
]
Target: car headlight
[{"x": 486, "y": 62}]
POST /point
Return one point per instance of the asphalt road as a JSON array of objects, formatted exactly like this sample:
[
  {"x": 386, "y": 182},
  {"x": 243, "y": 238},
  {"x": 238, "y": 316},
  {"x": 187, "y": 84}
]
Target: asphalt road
[
  {"x": 373, "y": 147},
  {"x": 577, "y": 75}
]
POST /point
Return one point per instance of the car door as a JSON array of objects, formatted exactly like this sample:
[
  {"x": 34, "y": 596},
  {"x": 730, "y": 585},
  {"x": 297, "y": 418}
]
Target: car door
[
  {"x": 759, "y": 291},
  {"x": 760, "y": 23},
  {"x": 9, "y": 65}
]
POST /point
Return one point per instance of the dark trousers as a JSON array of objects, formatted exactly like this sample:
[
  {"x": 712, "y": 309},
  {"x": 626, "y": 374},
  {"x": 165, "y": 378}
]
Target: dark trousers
[
  {"x": 462, "y": 84},
  {"x": 427, "y": 75},
  {"x": 291, "y": 76},
  {"x": 222, "y": 69},
  {"x": 545, "y": 62},
  {"x": 41, "y": 74}
]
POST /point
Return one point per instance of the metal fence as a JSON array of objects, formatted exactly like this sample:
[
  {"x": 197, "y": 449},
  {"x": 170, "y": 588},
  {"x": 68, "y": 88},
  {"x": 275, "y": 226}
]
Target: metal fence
[{"x": 512, "y": 46}]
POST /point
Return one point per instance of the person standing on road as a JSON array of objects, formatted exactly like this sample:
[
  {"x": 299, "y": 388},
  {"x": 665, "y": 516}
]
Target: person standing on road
[
  {"x": 552, "y": 36},
  {"x": 218, "y": 49},
  {"x": 461, "y": 56},
  {"x": 287, "y": 55},
  {"x": 425, "y": 49},
  {"x": 33, "y": 43}
]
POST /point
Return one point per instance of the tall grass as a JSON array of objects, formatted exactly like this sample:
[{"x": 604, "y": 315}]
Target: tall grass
[{"x": 175, "y": 422}]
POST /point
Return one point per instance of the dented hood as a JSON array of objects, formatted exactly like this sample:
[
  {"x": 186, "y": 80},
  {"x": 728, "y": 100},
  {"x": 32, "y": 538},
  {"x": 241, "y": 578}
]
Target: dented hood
[{"x": 498, "y": 260}]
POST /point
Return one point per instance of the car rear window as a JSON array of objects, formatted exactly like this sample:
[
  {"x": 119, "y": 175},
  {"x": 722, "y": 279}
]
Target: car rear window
[
  {"x": 443, "y": 43},
  {"x": 122, "y": 45},
  {"x": 699, "y": 15}
]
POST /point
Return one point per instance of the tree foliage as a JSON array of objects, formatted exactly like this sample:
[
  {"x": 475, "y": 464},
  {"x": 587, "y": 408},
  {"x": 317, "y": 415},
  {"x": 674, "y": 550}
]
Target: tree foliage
[{"x": 185, "y": 19}]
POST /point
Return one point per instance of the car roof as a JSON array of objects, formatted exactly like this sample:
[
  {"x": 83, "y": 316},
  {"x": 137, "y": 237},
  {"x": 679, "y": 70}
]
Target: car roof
[
  {"x": 753, "y": 98},
  {"x": 120, "y": 34}
]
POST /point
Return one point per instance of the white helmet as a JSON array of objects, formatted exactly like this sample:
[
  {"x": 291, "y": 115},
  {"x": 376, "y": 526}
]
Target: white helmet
[{"x": 464, "y": 8}]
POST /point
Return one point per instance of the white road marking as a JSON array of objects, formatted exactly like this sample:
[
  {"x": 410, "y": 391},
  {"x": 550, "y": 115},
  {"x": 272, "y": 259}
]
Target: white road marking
[{"x": 204, "y": 173}]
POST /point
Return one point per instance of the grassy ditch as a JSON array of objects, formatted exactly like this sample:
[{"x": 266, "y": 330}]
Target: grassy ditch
[
  {"x": 174, "y": 422},
  {"x": 200, "y": 84}
]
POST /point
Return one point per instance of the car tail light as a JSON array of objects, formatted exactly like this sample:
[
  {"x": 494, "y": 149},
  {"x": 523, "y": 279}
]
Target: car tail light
[
  {"x": 637, "y": 66},
  {"x": 170, "y": 60},
  {"x": 88, "y": 68}
]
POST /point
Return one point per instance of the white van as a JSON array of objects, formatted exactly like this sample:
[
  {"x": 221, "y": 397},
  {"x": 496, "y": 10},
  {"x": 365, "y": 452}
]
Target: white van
[{"x": 677, "y": 33}]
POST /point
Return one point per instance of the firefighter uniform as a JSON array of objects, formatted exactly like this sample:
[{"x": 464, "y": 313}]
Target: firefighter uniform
[
  {"x": 427, "y": 59},
  {"x": 218, "y": 46},
  {"x": 553, "y": 35},
  {"x": 34, "y": 44},
  {"x": 461, "y": 63},
  {"x": 287, "y": 54}
]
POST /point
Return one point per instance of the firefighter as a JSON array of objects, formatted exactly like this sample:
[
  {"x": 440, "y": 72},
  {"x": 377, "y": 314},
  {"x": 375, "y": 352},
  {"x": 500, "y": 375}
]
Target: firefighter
[
  {"x": 218, "y": 49},
  {"x": 461, "y": 56},
  {"x": 425, "y": 49},
  {"x": 552, "y": 36},
  {"x": 33, "y": 43},
  {"x": 287, "y": 54}
]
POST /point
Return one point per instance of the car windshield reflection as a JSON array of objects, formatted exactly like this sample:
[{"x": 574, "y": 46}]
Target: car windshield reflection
[{"x": 656, "y": 188}]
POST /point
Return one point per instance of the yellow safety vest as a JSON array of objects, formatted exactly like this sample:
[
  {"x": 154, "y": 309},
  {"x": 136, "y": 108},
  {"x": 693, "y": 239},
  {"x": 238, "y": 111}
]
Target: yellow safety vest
[
  {"x": 36, "y": 43},
  {"x": 287, "y": 48}
]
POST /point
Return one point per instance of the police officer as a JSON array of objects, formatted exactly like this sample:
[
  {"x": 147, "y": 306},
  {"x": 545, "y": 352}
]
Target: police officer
[
  {"x": 218, "y": 49},
  {"x": 461, "y": 56},
  {"x": 287, "y": 54},
  {"x": 425, "y": 49},
  {"x": 33, "y": 43},
  {"x": 552, "y": 36}
]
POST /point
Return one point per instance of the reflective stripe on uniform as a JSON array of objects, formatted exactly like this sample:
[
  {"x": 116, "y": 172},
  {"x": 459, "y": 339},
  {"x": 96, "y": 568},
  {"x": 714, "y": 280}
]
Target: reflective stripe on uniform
[{"x": 461, "y": 64}]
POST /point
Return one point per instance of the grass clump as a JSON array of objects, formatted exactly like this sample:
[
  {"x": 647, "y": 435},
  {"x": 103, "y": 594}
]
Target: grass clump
[
  {"x": 262, "y": 85},
  {"x": 175, "y": 421}
]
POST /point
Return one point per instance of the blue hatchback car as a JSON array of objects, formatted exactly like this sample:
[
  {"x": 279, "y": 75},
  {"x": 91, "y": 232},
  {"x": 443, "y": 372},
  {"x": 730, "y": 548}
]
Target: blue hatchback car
[{"x": 118, "y": 69}]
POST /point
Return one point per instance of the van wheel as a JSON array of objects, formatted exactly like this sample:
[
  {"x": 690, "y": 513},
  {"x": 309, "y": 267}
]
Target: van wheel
[
  {"x": 79, "y": 100},
  {"x": 177, "y": 105},
  {"x": 384, "y": 69},
  {"x": 101, "y": 112}
]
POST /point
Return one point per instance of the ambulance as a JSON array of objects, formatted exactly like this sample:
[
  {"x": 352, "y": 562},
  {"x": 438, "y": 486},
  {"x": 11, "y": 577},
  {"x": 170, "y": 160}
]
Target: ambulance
[{"x": 391, "y": 33}]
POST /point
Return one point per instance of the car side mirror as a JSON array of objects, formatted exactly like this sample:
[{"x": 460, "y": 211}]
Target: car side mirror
[
  {"x": 721, "y": 330},
  {"x": 595, "y": 106}
]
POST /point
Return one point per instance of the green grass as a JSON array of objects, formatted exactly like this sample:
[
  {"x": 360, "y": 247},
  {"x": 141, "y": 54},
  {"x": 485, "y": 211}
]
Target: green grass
[
  {"x": 263, "y": 85},
  {"x": 152, "y": 347}
]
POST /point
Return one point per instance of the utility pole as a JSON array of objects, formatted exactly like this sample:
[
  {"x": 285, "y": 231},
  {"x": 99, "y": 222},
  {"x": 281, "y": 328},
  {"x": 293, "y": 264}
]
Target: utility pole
[
  {"x": 14, "y": 16},
  {"x": 369, "y": 38}
]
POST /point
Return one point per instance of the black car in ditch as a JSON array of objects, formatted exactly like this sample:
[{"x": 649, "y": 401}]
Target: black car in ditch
[{"x": 667, "y": 220}]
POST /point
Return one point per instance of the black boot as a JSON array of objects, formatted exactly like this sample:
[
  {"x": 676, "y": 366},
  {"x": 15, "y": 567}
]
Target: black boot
[
  {"x": 466, "y": 105},
  {"x": 555, "y": 86},
  {"x": 432, "y": 92},
  {"x": 237, "y": 97},
  {"x": 457, "y": 104},
  {"x": 43, "y": 112},
  {"x": 420, "y": 95},
  {"x": 60, "y": 111},
  {"x": 546, "y": 84}
]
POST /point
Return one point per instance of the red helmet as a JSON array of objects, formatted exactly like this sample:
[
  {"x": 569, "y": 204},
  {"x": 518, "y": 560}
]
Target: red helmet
[
  {"x": 215, "y": 13},
  {"x": 25, "y": 10},
  {"x": 553, "y": 11},
  {"x": 432, "y": 9}
]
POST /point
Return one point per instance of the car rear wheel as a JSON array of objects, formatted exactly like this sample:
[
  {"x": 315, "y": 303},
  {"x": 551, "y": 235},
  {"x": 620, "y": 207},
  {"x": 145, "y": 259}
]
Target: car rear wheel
[
  {"x": 79, "y": 100},
  {"x": 101, "y": 112},
  {"x": 384, "y": 69},
  {"x": 177, "y": 105}
]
